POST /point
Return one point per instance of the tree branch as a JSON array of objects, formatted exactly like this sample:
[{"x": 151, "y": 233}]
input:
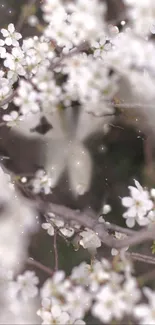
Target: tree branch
[
  {"x": 40, "y": 266},
  {"x": 91, "y": 222},
  {"x": 141, "y": 257}
]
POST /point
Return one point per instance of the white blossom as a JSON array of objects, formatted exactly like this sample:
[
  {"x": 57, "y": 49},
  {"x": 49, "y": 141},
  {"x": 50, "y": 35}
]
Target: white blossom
[
  {"x": 26, "y": 285},
  {"x": 11, "y": 36},
  {"x": 138, "y": 204},
  {"x": 15, "y": 61},
  {"x": 90, "y": 240}
]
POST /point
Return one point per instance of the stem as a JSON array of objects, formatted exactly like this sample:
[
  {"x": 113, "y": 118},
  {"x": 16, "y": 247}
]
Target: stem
[
  {"x": 141, "y": 258},
  {"x": 55, "y": 250},
  {"x": 40, "y": 266}
]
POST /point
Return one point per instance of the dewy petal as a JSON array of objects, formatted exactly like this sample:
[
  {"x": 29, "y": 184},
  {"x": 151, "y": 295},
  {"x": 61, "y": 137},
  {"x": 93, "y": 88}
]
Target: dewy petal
[
  {"x": 79, "y": 168},
  {"x": 127, "y": 201},
  {"x": 11, "y": 28}
]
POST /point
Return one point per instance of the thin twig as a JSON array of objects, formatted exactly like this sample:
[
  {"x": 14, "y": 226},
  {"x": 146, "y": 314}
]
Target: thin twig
[
  {"x": 55, "y": 250},
  {"x": 141, "y": 258},
  {"x": 40, "y": 266}
]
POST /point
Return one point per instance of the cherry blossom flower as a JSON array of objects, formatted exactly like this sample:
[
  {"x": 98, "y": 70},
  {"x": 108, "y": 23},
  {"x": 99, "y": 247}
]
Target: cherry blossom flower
[
  {"x": 11, "y": 36},
  {"x": 15, "y": 61},
  {"x": 90, "y": 240},
  {"x": 105, "y": 307},
  {"x": 138, "y": 204}
]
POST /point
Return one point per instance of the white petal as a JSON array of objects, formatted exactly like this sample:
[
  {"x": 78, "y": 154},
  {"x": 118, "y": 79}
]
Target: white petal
[
  {"x": 130, "y": 222},
  {"x": 4, "y": 32},
  {"x": 8, "y": 41},
  {"x": 127, "y": 202},
  {"x": 11, "y": 28}
]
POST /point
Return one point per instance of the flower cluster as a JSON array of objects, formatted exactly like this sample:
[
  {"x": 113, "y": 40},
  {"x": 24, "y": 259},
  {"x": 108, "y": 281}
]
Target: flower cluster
[{"x": 92, "y": 287}]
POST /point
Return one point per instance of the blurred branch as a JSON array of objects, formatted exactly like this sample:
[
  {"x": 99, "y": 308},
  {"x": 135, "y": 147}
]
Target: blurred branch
[
  {"x": 25, "y": 14},
  {"x": 141, "y": 258},
  {"x": 40, "y": 266},
  {"x": 8, "y": 99},
  {"x": 101, "y": 229}
]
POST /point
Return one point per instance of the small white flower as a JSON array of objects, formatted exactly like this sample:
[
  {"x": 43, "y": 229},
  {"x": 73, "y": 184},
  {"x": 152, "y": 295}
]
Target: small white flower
[
  {"x": 90, "y": 240},
  {"x": 138, "y": 204},
  {"x": 54, "y": 286},
  {"x": 105, "y": 307},
  {"x": 52, "y": 314},
  {"x": 15, "y": 61},
  {"x": 50, "y": 229},
  {"x": 41, "y": 182},
  {"x": 26, "y": 285},
  {"x": 78, "y": 302},
  {"x": 11, "y": 36}
]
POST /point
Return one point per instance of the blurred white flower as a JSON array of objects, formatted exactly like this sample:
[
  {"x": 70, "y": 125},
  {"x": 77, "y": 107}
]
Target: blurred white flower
[
  {"x": 78, "y": 302},
  {"x": 11, "y": 119},
  {"x": 26, "y": 285},
  {"x": 41, "y": 182},
  {"x": 53, "y": 314},
  {"x": 105, "y": 307},
  {"x": 145, "y": 313}
]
